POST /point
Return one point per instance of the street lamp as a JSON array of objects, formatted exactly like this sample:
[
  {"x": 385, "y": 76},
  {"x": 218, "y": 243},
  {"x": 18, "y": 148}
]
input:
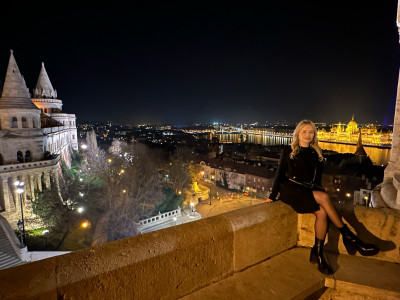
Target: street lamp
[
  {"x": 21, "y": 224},
  {"x": 174, "y": 221},
  {"x": 192, "y": 205}
]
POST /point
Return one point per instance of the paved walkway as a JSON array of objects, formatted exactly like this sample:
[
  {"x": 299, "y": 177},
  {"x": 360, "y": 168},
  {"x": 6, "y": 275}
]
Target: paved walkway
[
  {"x": 225, "y": 203},
  {"x": 289, "y": 275}
]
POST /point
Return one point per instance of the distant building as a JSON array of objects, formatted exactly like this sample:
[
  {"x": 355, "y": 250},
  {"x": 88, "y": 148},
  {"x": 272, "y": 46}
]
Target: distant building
[
  {"x": 34, "y": 136},
  {"x": 253, "y": 179},
  {"x": 342, "y": 133}
]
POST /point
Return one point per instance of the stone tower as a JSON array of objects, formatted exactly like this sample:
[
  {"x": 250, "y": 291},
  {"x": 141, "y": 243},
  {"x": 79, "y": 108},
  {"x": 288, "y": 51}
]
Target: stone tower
[
  {"x": 34, "y": 136},
  {"x": 387, "y": 194}
]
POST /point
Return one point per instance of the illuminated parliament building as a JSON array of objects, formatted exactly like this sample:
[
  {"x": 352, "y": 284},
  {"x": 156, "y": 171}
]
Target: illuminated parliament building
[
  {"x": 34, "y": 136},
  {"x": 349, "y": 134}
]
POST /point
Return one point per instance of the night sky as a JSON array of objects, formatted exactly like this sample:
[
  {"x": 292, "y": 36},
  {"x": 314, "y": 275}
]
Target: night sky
[{"x": 185, "y": 62}]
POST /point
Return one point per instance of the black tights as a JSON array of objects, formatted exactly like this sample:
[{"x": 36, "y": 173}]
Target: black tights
[{"x": 326, "y": 210}]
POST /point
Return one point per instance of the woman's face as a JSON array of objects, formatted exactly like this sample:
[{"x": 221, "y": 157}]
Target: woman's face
[{"x": 306, "y": 135}]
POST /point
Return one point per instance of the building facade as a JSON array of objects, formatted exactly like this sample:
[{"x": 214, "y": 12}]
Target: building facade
[{"x": 34, "y": 136}]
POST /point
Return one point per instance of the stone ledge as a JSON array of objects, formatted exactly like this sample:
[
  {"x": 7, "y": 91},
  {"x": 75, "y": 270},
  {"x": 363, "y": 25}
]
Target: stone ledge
[
  {"x": 364, "y": 276},
  {"x": 164, "y": 264},
  {"x": 289, "y": 275}
]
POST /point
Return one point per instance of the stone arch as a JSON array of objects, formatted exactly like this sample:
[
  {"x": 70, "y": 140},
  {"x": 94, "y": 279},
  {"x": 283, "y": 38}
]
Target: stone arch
[
  {"x": 28, "y": 156},
  {"x": 25, "y": 122},
  {"x": 20, "y": 157},
  {"x": 14, "y": 122}
]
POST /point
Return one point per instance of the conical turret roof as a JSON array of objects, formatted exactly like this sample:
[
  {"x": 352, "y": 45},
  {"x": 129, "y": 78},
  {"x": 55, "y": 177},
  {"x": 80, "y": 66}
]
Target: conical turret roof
[
  {"x": 15, "y": 93},
  {"x": 360, "y": 149},
  {"x": 44, "y": 89}
]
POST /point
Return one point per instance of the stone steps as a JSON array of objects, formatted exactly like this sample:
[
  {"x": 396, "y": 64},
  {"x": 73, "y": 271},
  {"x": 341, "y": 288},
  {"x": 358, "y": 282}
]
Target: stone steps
[
  {"x": 8, "y": 257},
  {"x": 289, "y": 275}
]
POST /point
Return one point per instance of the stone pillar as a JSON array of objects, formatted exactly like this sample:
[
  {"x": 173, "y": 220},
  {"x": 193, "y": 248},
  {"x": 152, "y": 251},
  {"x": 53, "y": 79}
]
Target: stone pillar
[
  {"x": 8, "y": 203},
  {"x": 39, "y": 181},
  {"x": 26, "y": 192},
  {"x": 47, "y": 179},
  {"x": 31, "y": 186},
  {"x": 387, "y": 194}
]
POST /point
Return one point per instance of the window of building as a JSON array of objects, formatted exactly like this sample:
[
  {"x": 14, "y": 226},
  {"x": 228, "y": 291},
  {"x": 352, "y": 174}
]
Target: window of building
[
  {"x": 14, "y": 122},
  {"x": 24, "y": 122},
  {"x": 20, "y": 157},
  {"x": 28, "y": 156}
]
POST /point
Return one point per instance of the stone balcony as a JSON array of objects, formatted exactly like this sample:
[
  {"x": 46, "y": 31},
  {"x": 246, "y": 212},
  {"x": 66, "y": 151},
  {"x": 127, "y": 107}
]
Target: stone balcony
[
  {"x": 259, "y": 252},
  {"x": 29, "y": 165}
]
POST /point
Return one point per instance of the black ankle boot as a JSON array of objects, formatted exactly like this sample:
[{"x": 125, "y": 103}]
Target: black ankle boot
[
  {"x": 353, "y": 243},
  {"x": 317, "y": 256}
]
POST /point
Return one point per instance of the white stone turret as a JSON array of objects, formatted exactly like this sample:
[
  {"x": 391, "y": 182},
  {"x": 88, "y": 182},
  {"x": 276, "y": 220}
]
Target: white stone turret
[
  {"x": 387, "y": 194},
  {"x": 17, "y": 110},
  {"x": 44, "y": 89}
]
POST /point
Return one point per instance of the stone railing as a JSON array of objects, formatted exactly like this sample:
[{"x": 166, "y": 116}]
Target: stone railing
[
  {"x": 159, "y": 219},
  {"x": 176, "y": 261},
  {"x": 29, "y": 165},
  {"x": 47, "y": 100}
]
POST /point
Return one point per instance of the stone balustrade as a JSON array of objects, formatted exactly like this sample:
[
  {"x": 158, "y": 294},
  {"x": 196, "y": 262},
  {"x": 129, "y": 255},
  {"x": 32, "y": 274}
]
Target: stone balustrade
[
  {"x": 29, "y": 165},
  {"x": 159, "y": 219},
  {"x": 176, "y": 261}
]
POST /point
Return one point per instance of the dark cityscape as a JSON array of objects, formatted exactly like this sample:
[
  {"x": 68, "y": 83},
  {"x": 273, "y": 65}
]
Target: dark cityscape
[{"x": 200, "y": 150}]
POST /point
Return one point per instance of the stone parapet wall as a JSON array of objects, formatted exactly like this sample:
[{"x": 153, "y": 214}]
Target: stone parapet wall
[
  {"x": 164, "y": 264},
  {"x": 176, "y": 261}
]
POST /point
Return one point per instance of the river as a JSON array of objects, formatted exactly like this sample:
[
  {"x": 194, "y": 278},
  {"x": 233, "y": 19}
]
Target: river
[{"x": 379, "y": 156}]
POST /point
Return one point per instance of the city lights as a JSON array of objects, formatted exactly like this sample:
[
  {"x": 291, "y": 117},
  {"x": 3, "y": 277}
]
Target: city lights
[{"x": 85, "y": 224}]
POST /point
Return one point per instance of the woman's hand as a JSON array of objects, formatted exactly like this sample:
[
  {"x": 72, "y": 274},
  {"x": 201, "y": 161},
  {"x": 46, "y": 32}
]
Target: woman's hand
[{"x": 268, "y": 201}]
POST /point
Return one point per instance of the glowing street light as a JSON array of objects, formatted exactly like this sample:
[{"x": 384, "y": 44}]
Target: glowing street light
[
  {"x": 174, "y": 221},
  {"x": 21, "y": 224},
  {"x": 192, "y": 205},
  {"x": 84, "y": 147},
  {"x": 109, "y": 160},
  {"x": 80, "y": 209},
  {"x": 85, "y": 224}
]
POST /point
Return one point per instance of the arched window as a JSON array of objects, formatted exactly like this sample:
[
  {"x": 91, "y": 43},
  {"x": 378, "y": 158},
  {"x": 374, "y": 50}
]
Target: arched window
[
  {"x": 14, "y": 122},
  {"x": 28, "y": 156},
  {"x": 20, "y": 157},
  {"x": 1, "y": 159},
  {"x": 24, "y": 122}
]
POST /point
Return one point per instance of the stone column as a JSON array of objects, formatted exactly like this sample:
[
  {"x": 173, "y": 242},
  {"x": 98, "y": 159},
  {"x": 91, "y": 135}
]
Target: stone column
[
  {"x": 387, "y": 194},
  {"x": 8, "y": 203},
  {"x": 26, "y": 192},
  {"x": 39, "y": 181},
  {"x": 47, "y": 179},
  {"x": 31, "y": 186}
]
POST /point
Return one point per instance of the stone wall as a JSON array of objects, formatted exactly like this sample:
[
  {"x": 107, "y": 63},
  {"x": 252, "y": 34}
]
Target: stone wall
[
  {"x": 176, "y": 261},
  {"x": 165, "y": 264}
]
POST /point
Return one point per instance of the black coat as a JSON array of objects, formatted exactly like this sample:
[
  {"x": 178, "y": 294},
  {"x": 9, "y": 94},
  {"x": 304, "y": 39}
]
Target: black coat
[{"x": 304, "y": 167}]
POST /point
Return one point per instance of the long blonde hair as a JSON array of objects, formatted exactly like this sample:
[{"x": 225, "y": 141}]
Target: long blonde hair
[{"x": 295, "y": 145}]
